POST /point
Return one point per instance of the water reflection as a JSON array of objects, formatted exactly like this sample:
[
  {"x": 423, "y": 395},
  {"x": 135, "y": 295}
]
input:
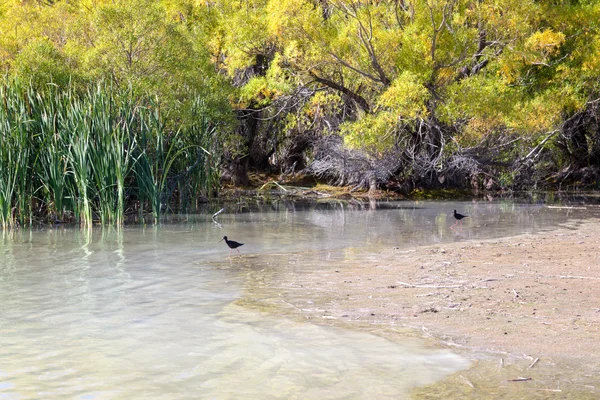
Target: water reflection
[{"x": 148, "y": 312}]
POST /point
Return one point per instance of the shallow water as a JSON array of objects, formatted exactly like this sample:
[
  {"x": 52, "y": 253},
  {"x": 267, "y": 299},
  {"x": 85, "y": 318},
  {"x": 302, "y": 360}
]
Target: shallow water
[{"x": 151, "y": 312}]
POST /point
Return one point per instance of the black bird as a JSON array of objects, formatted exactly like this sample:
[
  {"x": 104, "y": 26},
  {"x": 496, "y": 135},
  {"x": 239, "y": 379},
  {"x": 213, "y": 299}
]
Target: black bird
[
  {"x": 458, "y": 218},
  {"x": 232, "y": 244}
]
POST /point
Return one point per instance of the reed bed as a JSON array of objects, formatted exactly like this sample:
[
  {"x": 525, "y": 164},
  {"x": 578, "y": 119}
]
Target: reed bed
[{"x": 99, "y": 156}]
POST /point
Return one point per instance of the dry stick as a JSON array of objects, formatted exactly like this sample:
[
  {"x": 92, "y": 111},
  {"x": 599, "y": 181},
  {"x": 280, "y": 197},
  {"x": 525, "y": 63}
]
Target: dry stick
[
  {"x": 215, "y": 214},
  {"x": 291, "y": 305},
  {"x": 467, "y": 381},
  {"x": 520, "y": 379},
  {"x": 269, "y": 183},
  {"x": 572, "y": 277},
  {"x": 534, "y": 362},
  {"x": 429, "y": 286}
]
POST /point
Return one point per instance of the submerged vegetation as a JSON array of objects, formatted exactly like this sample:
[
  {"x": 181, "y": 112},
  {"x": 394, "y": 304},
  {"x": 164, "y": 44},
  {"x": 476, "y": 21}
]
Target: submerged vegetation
[{"x": 117, "y": 109}]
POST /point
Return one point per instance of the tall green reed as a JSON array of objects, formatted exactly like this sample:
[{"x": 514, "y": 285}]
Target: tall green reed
[
  {"x": 52, "y": 155},
  {"x": 88, "y": 156},
  {"x": 155, "y": 159},
  {"x": 200, "y": 175},
  {"x": 110, "y": 152},
  {"x": 15, "y": 150}
]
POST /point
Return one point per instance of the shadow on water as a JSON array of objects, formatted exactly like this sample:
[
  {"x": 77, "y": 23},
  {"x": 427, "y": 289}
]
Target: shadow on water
[
  {"x": 279, "y": 201},
  {"x": 155, "y": 312}
]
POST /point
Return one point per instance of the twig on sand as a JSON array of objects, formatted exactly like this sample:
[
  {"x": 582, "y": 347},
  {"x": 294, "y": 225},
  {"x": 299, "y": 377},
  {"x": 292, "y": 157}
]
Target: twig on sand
[
  {"x": 467, "y": 381},
  {"x": 520, "y": 379},
  {"x": 428, "y": 286},
  {"x": 426, "y": 331},
  {"x": 572, "y": 277},
  {"x": 291, "y": 305},
  {"x": 534, "y": 362}
]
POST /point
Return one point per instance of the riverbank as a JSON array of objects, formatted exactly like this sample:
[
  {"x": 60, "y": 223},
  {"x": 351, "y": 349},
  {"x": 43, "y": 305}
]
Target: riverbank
[{"x": 525, "y": 309}]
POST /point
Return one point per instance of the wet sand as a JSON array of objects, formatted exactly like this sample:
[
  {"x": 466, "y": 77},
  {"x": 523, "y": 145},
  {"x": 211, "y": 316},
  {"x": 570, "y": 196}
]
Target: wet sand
[{"x": 525, "y": 309}]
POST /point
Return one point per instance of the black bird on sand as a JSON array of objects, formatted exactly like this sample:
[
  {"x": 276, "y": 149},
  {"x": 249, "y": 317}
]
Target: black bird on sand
[
  {"x": 459, "y": 217},
  {"x": 232, "y": 244}
]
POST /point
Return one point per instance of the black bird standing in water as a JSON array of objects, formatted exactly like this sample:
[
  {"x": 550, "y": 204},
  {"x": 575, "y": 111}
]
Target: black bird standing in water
[
  {"x": 232, "y": 244},
  {"x": 458, "y": 218}
]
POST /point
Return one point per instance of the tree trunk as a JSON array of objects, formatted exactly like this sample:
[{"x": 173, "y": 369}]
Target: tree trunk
[
  {"x": 372, "y": 184},
  {"x": 239, "y": 172}
]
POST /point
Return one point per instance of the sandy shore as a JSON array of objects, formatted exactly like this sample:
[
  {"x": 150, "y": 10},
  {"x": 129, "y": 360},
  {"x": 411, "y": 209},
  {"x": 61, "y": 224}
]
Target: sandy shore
[{"x": 525, "y": 309}]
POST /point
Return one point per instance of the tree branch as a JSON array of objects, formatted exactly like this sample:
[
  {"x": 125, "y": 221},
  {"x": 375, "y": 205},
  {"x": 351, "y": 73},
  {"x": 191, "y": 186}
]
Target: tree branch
[{"x": 362, "y": 103}]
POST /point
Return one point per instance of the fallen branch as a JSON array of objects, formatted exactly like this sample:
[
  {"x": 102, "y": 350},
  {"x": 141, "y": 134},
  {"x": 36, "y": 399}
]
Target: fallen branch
[{"x": 539, "y": 146}]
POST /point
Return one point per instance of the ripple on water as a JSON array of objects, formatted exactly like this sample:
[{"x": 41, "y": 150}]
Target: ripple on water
[{"x": 146, "y": 314}]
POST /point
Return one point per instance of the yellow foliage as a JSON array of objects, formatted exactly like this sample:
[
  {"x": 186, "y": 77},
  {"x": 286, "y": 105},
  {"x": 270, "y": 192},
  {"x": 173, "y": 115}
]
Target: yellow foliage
[
  {"x": 374, "y": 132},
  {"x": 406, "y": 96},
  {"x": 323, "y": 103},
  {"x": 546, "y": 42},
  {"x": 591, "y": 63},
  {"x": 475, "y": 130},
  {"x": 540, "y": 114}
]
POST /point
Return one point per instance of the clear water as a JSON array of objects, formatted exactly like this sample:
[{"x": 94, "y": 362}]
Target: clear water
[{"x": 150, "y": 312}]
